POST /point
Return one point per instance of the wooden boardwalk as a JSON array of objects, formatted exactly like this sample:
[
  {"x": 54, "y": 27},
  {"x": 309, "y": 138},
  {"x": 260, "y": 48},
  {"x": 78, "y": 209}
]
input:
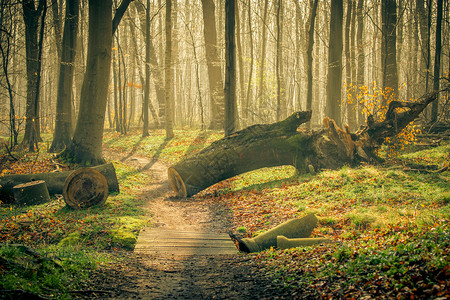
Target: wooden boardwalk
[{"x": 159, "y": 241}]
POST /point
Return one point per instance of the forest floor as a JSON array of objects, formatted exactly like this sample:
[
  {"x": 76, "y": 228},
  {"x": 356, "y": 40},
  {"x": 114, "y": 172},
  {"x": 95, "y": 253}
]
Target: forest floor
[
  {"x": 389, "y": 224},
  {"x": 181, "y": 277}
]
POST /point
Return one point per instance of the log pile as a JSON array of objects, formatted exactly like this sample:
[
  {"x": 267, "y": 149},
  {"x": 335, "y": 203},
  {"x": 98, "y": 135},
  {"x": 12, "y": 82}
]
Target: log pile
[{"x": 54, "y": 181}]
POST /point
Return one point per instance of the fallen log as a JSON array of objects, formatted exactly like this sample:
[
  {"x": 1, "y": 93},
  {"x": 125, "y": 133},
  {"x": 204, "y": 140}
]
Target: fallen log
[
  {"x": 55, "y": 181},
  {"x": 84, "y": 188},
  {"x": 282, "y": 143}
]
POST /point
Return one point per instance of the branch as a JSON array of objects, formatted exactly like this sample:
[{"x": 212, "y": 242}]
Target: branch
[
  {"x": 120, "y": 11},
  {"x": 395, "y": 122}
]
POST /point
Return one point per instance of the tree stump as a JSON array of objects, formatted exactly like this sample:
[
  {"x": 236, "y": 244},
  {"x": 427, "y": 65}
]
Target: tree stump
[
  {"x": 31, "y": 193},
  {"x": 84, "y": 188}
]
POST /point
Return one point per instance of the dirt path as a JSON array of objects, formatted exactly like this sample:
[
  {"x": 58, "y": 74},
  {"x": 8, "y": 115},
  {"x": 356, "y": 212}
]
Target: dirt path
[{"x": 177, "y": 277}]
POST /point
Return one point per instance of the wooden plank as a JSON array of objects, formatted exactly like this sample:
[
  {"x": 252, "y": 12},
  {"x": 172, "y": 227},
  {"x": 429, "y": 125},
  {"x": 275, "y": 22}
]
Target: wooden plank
[{"x": 158, "y": 241}]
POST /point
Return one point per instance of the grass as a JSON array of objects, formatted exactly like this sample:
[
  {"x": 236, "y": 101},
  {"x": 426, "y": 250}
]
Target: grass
[{"x": 77, "y": 240}]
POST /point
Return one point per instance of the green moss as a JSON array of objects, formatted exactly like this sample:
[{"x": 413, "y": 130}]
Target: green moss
[
  {"x": 72, "y": 239},
  {"x": 124, "y": 239}
]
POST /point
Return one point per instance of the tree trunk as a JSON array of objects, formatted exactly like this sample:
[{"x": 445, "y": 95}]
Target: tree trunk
[
  {"x": 351, "y": 106},
  {"x": 169, "y": 103},
  {"x": 261, "y": 88},
  {"x": 280, "y": 143},
  {"x": 240, "y": 64},
  {"x": 388, "y": 46},
  {"x": 31, "y": 16},
  {"x": 437, "y": 60},
  {"x": 230, "y": 71},
  {"x": 309, "y": 57},
  {"x": 213, "y": 64},
  {"x": 248, "y": 97},
  {"x": 63, "y": 121},
  {"x": 56, "y": 18},
  {"x": 86, "y": 144},
  {"x": 333, "y": 108},
  {"x": 360, "y": 54},
  {"x": 54, "y": 180},
  {"x": 145, "y": 132},
  {"x": 281, "y": 105}
]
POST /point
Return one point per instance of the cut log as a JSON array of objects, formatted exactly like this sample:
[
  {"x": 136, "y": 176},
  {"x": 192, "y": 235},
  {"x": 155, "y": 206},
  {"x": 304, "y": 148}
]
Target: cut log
[
  {"x": 84, "y": 188},
  {"x": 282, "y": 143},
  {"x": 55, "y": 181},
  {"x": 31, "y": 193}
]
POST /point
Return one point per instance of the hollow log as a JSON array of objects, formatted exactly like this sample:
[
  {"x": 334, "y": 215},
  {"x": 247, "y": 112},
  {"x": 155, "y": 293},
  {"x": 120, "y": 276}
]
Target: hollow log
[
  {"x": 282, "y": 143},
  {"x": 31, "y": 193},
  {"x": 84, "y": 188},
  {"x": 54, "y": 180}
]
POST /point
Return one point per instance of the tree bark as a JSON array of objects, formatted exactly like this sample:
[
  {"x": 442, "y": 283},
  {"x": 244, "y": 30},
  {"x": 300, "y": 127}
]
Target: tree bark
[
  {"x": 388, "y": 46},
  {"x": 333, "y": 108},
  {"x": 31, "y": 16},
  {"x": 281, "y": 143},
  {"x": 360, "y": 54},
  {"x": 230, "y": 71},
  {"x": 309, "y": 58},
  {"x": 437, "y": 60},
  {"x": 169, "y": 103},
  {"x": 86, "y": 145},
  {"x": 63, "y": 122},
  {"x": 261, "y": 87},
  {"x": 54, "y": 180},
  {"x": 213, "y": 64}
]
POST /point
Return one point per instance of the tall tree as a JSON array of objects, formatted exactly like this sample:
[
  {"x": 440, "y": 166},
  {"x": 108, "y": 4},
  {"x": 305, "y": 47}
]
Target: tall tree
[
  {"x": 86, "y": 144},
  {"x": 424, "y": 21},
  {"x": 34, "y": 18},
  {"x": 437, "y": 59},
  {"x": 281, "y": 105},
  {"x": 250, "y": 75},
  {"x": 213, "y": 64},
  {"x": 56, "y": 16},
  {"x": 169, "y": 72},
  {"x": 7, "y": 33},
  {"x": 309, "y": 58},
  {"x": 261, "y": 88},
  {"x": 360, "y": 52},
  {"x": 240, "y": 62},
  {"x": 63, "y": 122},
  {"x": 388, "y": 45},
  {"x": 230, "y": 70},
  {"x": 351, "y": 107},
  {"x": 333, "y": 108},
  {"x": 147, "y": 71}
]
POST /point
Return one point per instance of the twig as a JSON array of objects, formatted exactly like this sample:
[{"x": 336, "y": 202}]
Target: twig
[{"x": 10, "y": 154}]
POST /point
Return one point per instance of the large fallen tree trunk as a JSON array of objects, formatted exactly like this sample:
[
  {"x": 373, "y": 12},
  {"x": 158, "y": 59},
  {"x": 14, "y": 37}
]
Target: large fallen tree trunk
[
  {"x": 54, "y": 180},
  {"x": 282, "y": 143}
]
